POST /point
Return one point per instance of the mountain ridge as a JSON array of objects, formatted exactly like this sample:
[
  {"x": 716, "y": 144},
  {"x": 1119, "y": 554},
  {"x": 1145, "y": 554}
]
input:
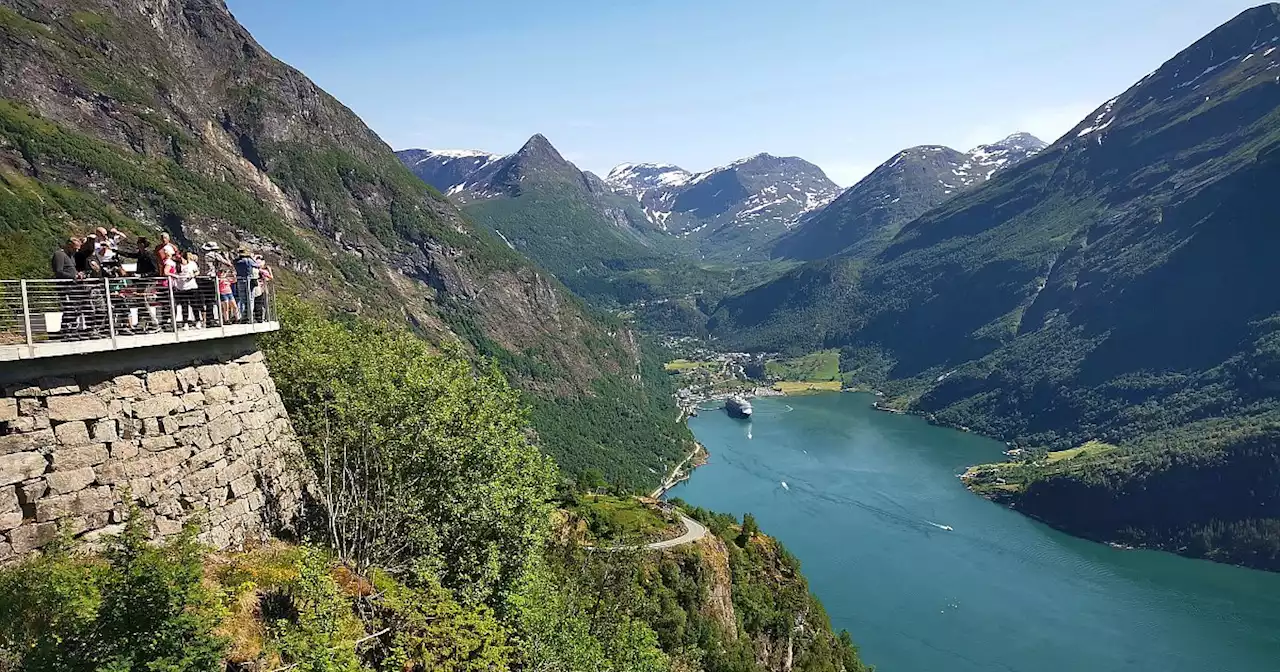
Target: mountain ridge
[{"x": 863, "y": 218}]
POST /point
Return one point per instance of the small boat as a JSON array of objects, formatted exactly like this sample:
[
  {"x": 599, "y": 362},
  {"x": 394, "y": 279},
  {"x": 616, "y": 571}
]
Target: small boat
[{"x": 737, "y": 407}]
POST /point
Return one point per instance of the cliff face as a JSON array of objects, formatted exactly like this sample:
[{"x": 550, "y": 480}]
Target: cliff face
[{"x": 167, "y": 115}]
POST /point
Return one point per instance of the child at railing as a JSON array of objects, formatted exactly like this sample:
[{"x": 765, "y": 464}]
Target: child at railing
[{"x": 226, "y": 298}]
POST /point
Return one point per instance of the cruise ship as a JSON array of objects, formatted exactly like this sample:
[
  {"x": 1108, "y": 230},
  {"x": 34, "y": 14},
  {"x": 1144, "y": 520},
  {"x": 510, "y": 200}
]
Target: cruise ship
[{"x": 737, "y": 407}]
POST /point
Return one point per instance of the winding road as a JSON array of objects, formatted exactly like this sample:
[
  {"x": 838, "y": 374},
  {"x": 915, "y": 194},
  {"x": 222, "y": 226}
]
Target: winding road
[{"x": 693, "y": 531}]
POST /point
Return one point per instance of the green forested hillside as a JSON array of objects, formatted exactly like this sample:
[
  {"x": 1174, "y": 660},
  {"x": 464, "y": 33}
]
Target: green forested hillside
[
  {"x": 1114, "y": 287},
  {"x": 432, "y": 544},
  {"x": 176, "y": 120}
]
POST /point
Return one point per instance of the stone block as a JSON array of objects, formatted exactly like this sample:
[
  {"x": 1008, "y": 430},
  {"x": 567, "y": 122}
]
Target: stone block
[
  {"x": 129, "y": 428},
  {"x": 197, "y": 437},
  {"x": 28, "y": 538},
  {"x": 30, "y": 491},
  {"x": 205, "y": 457},
  {"x": 103, "y": 533},
  {"x": 210, "y": 375},
  {"x": 217, "y": 395},
  {"x": 76, "y": 407},
  {"x": 9, "y": 499},
  {"x": 166, "y": 527},
  {"x": 65, "y": 482},
  {"x": 129, "y": 387},
  {"x": 74, "y": 433},
  {"x": 90, "y": 455},
  {"x": 248, "y": 393},
  {"x": 10, "y": 520},
  {"x": 232, "y": 376},
  {"x": 59, "y": 385},
  {"x": 141, "y": 488},
  {"x": 214, "y": 411},
  {"x": 114, "y": 472},
  {"x": 125, "y": 450},
  {"x": 255, "y": 356},
  {"x": 157, "y": 443},
  {"x": 8, "y": 410},
  {"x": 165, "y": 460},
  {"x": 156, "y": 406},
  {"x": 254, "y": 373},
  {"x": 78, "y": 524},
  {"x": 150, "y": 427},
  {"x": 191, "y": 419},
  {"x": 243, "y": 485},
  {"x": 104, "y": 431},
  {"x": 188, "y": 379},
  {"x": 18, "y": 467},
  {"x": 162, "y": 382},
  {"x": 192, "y": 401},
  {"x": 38, "y": 440},
  {"x": 25, "y": 425},
  {"x": 224, "y": 428},
  {"x": 83, "y": 503},
  {"x": 169, "y": 424}
]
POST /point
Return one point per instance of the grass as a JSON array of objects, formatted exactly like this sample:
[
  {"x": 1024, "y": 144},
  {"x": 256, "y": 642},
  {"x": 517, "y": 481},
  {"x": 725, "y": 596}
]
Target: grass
[
  {"x": 806, "y": 387},
  {"x": 821, "y": 366},
  {"x": 623, "y": 519},
  {"x": 1089, "y": 448},
  {"x": 683, "y": 365}
]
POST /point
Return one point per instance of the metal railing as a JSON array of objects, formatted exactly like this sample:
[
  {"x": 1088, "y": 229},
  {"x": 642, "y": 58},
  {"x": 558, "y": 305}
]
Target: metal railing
[{"x": 35, "y": 312}]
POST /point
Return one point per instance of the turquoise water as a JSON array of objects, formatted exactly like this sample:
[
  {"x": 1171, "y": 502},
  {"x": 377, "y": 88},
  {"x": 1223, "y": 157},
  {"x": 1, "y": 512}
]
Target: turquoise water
[{"x": 867, "y": 493}]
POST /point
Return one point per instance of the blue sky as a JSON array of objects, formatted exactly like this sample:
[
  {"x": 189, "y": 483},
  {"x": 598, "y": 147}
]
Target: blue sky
[{"x": 842, "y": 83}]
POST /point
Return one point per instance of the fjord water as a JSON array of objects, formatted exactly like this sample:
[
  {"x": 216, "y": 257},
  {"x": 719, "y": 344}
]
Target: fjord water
[{"x": 866, "y": 497}]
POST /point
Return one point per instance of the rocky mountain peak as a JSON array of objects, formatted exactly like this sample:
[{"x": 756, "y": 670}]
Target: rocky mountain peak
[{"x": 539, "y": 150}]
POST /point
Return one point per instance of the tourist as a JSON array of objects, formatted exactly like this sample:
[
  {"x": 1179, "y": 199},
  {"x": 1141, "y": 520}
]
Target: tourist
[
  {"x": 226, "y": 299},
  {"x": 86, "y": 251},
  {"x": 215, "y": 262},
  {"x": 187, "y": 291},
  {"x": 260, "y": 291},
  {"x": 167, "y": 285},
  {"x": 246, "y": 281},
  {"x": 110, "y": 238},
  {"x": 146, "y": 259},
  {"x": 167, "y": 246},
  {"x": 71, "y": 293}
]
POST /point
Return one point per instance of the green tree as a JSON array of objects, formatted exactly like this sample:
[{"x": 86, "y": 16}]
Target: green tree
[
  {"x": 139, "y": 607},
  {"x": 423, "y": 461}
]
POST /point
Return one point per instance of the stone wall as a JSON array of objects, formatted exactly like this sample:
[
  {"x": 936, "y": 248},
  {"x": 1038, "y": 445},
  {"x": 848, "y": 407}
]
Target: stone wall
[{"x": 181, "y": 430}]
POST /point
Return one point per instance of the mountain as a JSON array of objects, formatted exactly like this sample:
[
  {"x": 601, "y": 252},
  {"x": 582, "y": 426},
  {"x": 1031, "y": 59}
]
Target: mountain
[
  {"x": 864, "y": 218},
  {"x": 447, "y": 169},
  {"x": 568, "y": 220},
  {"x": 166, "y": 115},
  {"x": 729, "y": 212},
  {"x": 1115, "y": 292}
]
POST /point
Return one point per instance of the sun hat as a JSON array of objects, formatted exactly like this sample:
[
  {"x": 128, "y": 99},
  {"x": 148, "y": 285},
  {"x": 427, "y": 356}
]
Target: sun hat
[{"x": 209, "y": 246}]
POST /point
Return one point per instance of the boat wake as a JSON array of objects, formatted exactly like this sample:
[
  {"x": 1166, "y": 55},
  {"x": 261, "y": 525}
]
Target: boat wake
[{"x": 940, "y": 527}]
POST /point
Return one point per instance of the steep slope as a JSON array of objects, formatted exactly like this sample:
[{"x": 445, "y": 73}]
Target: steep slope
[
  {"x": 863, "y": 219},
  {"x": 1117, "y": 284},
  {"x": 730, "y": 213},
  {"x": 166, "y": 115}
]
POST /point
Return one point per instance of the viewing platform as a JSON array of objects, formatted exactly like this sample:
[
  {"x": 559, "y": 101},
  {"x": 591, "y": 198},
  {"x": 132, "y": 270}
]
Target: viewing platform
[{"x": 56, "y": 318}]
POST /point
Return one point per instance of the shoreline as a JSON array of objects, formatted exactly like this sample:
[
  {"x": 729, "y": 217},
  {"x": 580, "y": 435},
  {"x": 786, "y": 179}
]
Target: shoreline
[{"x": 678, "y": 474}]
